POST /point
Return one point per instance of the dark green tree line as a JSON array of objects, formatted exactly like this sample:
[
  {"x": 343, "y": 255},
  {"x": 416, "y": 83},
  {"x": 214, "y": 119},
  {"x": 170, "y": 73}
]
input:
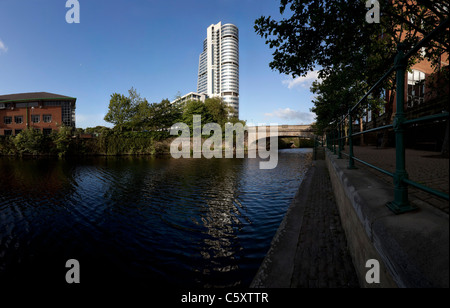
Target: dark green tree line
[{"x": 350, "y": 53}]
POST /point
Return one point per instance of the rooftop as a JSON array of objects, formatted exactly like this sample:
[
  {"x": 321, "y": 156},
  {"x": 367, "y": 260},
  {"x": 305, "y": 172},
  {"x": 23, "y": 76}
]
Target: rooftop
[{"x": 33, "y": 96}]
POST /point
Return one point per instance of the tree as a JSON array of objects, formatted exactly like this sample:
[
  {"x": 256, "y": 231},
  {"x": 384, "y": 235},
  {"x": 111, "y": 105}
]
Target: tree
[
  {"x": 63, "y": 140},
  {"x": 330, "y": 33},
  {"x": 161, "y": 116},
  {"x": 96, "y": 130},
  {"x": 213, "y": 110},
  {"x": 218, "y": 110},
  {"x": 192, "y": 108},
  {"x": 124, "y": 111},
  {"x": 339, "y": 92},
  {"x": 120, "y": 110},
  {"x": 30, "y": 141},
  {"x": 351, "y": 54}
]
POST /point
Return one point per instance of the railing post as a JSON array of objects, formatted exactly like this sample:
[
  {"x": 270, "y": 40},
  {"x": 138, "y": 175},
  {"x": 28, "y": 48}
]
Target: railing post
[
  {"x": 340, "y": 141},
  {"x": 328, "y": 141},
  {"x": 351, "y": 161},
  {"x": 400, "y": 203},
  {"x": 334, "y": 142}
]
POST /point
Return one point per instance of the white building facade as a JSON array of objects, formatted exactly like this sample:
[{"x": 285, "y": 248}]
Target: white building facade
[
  {"x": 218, "y": 70},
  {"x": 192, "y": 96}
]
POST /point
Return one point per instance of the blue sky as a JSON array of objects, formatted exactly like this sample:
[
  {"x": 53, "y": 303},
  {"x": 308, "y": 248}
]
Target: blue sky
[{"x": 151, "y": 45}]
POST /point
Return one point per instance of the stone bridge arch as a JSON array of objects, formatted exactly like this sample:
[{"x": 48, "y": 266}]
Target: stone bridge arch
[{"x": 283, "y": 131}]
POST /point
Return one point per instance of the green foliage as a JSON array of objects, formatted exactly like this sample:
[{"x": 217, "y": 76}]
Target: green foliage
[
  {"x": 121, "y": 110},
  {"x": 351, "y": 53},
  {"x": 217, "y": 110},
  {"x": 96, "y": 130},
  {"x": 62, "y": 140},
  {"x": 306, "y": 143},
  {"x": 161, "y": 116},
  {"x": 140, "y": 128},
  {"x": 63, "y": 143},
  {"x": 135, "y": 113},
  {"x": 192, "y": 108},
  {"x": 7, "y": 146},
  {"x": 287, "y": 142},
  {"x": 213, "y": 110},
  {"x": 129, "y": 143},
  {"x": 30, "y": 141},
  {"x": 331, "y": 33}
]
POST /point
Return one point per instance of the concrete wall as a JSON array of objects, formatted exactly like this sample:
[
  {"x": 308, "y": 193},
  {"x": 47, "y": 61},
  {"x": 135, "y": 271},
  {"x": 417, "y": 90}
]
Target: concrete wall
[{"x": 412, "y": 248}]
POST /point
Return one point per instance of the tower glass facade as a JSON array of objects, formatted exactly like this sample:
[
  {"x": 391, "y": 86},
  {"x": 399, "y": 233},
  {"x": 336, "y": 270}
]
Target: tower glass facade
[{"x": 218, "y": 71}]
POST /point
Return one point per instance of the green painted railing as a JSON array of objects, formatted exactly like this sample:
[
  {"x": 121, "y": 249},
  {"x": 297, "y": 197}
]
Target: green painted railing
[{"x": 336, "y": 137}]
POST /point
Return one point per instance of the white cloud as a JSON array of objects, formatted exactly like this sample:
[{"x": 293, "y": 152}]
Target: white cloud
[
  {"x": 289, "y": 114},
  {"x": 3, "y": 47},
  {"x": 303, "y": 81}
]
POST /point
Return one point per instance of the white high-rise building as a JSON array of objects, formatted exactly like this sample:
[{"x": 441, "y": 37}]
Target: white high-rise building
[{"x": 218, "y": 70}]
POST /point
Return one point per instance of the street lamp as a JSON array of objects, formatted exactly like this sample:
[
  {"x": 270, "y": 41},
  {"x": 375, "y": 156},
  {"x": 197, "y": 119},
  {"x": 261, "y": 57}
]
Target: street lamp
[{"x": 32, "y": 108}]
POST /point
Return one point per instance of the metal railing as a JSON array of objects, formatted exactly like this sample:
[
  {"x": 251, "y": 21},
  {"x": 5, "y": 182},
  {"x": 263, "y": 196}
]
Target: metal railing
[{"x": 335, "y": 138}]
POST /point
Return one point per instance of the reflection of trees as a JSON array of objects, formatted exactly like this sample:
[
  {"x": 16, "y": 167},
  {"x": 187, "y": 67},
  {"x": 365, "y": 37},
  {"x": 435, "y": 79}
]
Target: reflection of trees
[
  {"x": 34, "y": 220},
  {"x": 43, "y": 179}
]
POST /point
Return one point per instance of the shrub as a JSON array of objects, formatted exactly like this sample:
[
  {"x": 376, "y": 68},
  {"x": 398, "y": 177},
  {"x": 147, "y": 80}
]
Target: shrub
[{"x": 30, "y": 141}]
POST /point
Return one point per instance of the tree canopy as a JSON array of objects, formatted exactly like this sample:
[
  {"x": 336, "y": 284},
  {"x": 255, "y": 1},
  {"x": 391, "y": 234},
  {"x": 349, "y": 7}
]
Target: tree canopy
[
  {"x": 213, "y": 110},
  {"x": 135, "y": 113},
  {"x": 351, "y": 54}
]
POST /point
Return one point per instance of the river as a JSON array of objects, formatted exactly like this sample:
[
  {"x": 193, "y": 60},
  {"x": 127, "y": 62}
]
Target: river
[{"x": 142, "y": 221}]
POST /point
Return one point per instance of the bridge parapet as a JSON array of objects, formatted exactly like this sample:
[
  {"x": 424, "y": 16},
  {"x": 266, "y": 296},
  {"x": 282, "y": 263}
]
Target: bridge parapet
[{"x": 302, "y": 131}]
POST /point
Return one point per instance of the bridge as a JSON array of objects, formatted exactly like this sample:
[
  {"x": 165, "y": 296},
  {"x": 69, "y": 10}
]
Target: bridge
[
  {"x": 282, "y": 131},
  {"x": 299, "y": 131}
]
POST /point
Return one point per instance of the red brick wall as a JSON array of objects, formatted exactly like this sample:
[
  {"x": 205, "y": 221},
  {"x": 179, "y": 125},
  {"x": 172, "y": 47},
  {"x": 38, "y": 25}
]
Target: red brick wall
[{"x": 55, "y": 112}]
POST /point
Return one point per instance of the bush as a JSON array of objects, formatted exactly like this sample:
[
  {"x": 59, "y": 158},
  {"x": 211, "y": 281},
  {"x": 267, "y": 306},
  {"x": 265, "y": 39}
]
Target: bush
[
  {"x": 30, "y": 141},
  {"x": 7, "y": 146},
  {"x": 62, "y": 141}
]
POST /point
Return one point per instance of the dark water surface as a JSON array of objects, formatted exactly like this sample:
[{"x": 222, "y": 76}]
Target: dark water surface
[{"x": 142, "y": 221}]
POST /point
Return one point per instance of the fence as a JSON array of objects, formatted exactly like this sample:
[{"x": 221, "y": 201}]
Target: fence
[{"x": 335, "y": 138}]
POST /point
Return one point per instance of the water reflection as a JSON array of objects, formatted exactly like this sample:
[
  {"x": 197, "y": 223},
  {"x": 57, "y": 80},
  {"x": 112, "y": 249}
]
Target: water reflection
[{"x": 148, "y": 221}]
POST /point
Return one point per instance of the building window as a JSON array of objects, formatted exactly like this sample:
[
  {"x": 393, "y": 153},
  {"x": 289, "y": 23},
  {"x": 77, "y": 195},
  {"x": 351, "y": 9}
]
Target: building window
[
  {"x": 8, "y": 132},
  {"x": 7, "y": 120},
  {"x": 24, "y": 105},
  {"x": 416, "y": 88},
  {"x": 47, "y": 118},
  {"x": 35, "y": 118},
  {"x": 68, "y": 114},
  {"x": 18, "y": 131},
  {"x": 18, "y": 119},
  {"x": 47, "y": 131}
]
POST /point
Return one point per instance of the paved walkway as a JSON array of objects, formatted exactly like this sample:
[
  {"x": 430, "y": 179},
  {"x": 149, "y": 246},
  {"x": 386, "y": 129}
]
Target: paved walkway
[
  {"x": 423, "y": 167},
  {"x": 310, "y": 247}
]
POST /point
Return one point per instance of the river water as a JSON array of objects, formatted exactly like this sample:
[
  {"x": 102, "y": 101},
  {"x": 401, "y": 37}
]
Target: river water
[{"x": 142, "y": 221}]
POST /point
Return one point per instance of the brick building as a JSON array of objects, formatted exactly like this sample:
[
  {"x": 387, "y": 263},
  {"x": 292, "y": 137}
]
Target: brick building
[{"x": 42, "y": 111}]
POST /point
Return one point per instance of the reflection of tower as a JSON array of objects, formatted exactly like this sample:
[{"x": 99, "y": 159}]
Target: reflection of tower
[{"x": 218, "y": 70}]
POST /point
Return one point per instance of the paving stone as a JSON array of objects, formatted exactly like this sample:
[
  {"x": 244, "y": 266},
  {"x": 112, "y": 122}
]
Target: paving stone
[{"x": 323, "y": 259}]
